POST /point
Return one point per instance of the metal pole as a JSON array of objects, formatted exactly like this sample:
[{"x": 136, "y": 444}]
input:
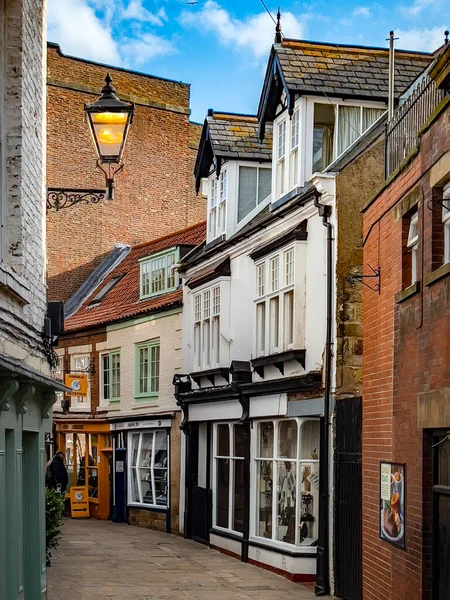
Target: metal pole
[{"x": 391, "y": 75}]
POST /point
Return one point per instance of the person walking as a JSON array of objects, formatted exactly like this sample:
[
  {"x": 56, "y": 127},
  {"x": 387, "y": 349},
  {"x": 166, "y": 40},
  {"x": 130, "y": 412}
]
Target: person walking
[{"x": 56, "y": 475}]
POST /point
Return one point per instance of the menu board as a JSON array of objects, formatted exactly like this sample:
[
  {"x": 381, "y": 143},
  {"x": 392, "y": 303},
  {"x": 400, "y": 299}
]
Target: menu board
[{"x": 392, "y": 503}]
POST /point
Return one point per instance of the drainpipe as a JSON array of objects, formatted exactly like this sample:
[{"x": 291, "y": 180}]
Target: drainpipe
[{"x": 323, "y": 567}]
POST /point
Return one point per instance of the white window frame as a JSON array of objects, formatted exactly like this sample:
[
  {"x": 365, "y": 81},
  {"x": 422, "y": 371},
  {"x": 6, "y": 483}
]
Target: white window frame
[
  {"x": 277, "y": 291},
  {"x": 275, "y": 459},
  {"x": 217, "y": 204},
  {"x": 149, "y": 265},
  {"x": 446, "y": 221},
  {"x": 281, "y": 168},
  {"x": 294, "y": 153},
  {"x": 232, "y": 458},
  {"x": 206, "y": 330},
  {"x": 109, "y": 355},
  {"x": 413, "y": 245},
  {"x": 81, "y": 403},
  {"x": 150, "y": 467}
]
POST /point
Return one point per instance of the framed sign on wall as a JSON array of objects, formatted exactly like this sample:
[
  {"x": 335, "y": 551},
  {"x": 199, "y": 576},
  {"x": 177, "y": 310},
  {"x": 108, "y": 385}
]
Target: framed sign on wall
[{"x": 392, "y": 503}]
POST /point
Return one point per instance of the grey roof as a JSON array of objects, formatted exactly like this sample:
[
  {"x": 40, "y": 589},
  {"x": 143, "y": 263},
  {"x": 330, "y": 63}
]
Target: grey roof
[
  {"x": 236, "y": 137},
  {"x": 347, "y": 70},
  {"x": 98, "y": 275}
]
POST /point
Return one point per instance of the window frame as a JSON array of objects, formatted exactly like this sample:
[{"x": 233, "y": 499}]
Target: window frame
[
  {"x": 149, "y": 344},
  {"x": 413, "y": 245},
  {"x": 110, "y": 354},
  {"x": 276, "y": 458},
  {"x": 207, "y": 322},
  {"x": 151, "y": 468},
  {"x": 232, "y": 458},
  {"x": 446, "y": 220},
  {"x": 217, "y": 204},
  {"x": 174, "y": 274},
  {"x": 81, "y": 406},
  {"x": 274, "y": 299}
]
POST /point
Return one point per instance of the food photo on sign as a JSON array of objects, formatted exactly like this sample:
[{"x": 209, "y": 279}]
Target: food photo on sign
[{"x": 392, "y": 503}]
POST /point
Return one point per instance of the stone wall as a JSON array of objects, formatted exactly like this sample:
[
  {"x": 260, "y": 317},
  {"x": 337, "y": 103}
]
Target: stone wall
[
  {"x": 22, "y": 120},
  {"x": 154, "y": 193}
]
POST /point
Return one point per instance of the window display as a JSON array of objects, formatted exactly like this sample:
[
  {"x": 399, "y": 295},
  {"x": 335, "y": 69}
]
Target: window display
[
  {"x": 229, "y": 474},
  {"x": 287, "y": 481},
  {"x": 148, "y": 468}
]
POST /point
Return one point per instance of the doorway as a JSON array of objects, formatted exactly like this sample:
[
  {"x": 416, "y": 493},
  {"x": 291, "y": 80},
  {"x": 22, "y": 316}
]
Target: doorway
[
  {"x": 199, "y": 493},
  {"x": 441, "y": 516}
]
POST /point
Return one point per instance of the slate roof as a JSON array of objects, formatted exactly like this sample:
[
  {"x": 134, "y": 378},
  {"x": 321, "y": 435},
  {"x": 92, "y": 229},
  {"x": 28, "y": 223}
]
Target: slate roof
[
  {"x": 122, "y": 301},
  {"x": 236, "y": 137},
  {"x": 356, "y": 71}
]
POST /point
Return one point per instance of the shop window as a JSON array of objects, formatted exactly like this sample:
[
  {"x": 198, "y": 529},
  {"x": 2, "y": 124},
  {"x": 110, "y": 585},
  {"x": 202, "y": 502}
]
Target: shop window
[
  {"x": 81, "y": 363},
  {"x": 286, "y": 472},
  {"x": 82, "y": 458},
  {"x": 229, "y": 475},
  {"x": 410, "y": 242},
  {"x": 110, "y": 376},
  {"x": 148, "y": 468},
  {"x": 147, "y": 369},
  {"x": 158, "y": 274},
  {"x": 275, "y": 304}
]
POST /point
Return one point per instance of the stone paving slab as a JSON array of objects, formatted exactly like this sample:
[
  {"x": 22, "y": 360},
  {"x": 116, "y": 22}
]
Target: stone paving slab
[{"x": 100, "y": 560}]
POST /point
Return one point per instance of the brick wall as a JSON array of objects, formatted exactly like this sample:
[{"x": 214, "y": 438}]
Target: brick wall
[
  {"x": 406, "y": 350},
  {"x": 22, "y": 124},
  {"x": 155, "y": 191}
]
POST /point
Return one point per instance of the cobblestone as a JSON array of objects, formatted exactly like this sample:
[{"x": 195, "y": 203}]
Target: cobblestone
[{"x": 100, "y": 560}]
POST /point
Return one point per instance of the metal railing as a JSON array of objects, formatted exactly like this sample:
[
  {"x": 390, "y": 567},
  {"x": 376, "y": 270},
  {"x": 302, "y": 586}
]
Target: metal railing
[{"x": 402, "y": 131}]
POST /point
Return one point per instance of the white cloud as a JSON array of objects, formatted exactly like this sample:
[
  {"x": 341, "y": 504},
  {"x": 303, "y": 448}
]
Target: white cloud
[
  {"x": 255, "y": 33},
  {"x": 74, "y": 25},
  {"x": 136, "y": 11},
  {"x": 362, "y": 11},
  {"x": 417, "y": 7},
  {"x": 139, "y": 50},
  {"x": 420, "y": 38}
]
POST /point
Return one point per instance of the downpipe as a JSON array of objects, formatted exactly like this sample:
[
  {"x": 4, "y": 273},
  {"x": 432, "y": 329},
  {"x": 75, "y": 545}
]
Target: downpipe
[{"x": 323, "y": 561}]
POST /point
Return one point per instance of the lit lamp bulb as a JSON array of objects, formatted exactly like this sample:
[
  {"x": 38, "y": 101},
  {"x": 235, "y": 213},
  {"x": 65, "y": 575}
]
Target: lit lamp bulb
[{"x": 109, "y": 129}]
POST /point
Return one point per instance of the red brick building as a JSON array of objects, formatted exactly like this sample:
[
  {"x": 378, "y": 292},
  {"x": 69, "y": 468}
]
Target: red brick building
[
  {"x": 154, "y": 193},
  {"x": 406, "y": 361}
]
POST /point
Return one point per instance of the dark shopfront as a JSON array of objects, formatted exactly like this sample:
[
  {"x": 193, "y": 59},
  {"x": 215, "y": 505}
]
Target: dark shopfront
[
  {"x": 142, "y": 457},
  {"x": 252, "y": 475}
]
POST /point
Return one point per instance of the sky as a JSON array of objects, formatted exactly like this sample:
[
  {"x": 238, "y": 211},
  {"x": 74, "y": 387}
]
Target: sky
[{"x": 221, "y": 47}]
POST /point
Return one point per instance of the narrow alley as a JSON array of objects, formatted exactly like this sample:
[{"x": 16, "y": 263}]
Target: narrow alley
[{"x": 99, "y": 560}]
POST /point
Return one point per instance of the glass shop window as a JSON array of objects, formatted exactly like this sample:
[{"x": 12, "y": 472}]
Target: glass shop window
[{"x": 148, "y": 468}]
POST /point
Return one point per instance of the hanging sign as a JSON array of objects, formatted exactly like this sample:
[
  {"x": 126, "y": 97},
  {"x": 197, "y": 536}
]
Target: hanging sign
[
  {"x": 78, "y": 383},
  {"x": 79, "y": 503},
  {"x": 392, "y": 503}
]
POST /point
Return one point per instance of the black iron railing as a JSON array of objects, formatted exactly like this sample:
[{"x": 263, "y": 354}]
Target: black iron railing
[{"x": 402, "y": 131}]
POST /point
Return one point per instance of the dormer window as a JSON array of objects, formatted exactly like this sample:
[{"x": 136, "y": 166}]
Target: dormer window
[
  {"x": 281, "y": 158},
  {"x": 295, "y": 140},
  {"x": 218, "y": 205},
  {"x": 158, "y": 274},
  {"x": 254, "y": 186}
]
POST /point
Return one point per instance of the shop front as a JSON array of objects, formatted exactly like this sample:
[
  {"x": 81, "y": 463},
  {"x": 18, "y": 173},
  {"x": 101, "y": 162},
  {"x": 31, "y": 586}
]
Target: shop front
[
  {"x": 144, "y": 452},
  {"x": 252, "y": 478},
  {"x": 88, "y": 456}
]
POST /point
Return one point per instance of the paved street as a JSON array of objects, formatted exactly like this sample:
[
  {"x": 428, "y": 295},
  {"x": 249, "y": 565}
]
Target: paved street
[{"x": 99, "y": 560}]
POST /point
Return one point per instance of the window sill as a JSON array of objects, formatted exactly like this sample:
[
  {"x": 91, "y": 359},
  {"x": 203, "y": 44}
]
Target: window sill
[
  {"x": 153, "y": 507},
  {"x": 149, "y": 397},
  {"x": 157, "y": 294},
  {"x": 283, "y": 547},
  {"x": 278, "y": 360},
  {"x": 407, "y": 293},
  {"x": 14, "y": 284},
  {"x": 437, "y": 274}
]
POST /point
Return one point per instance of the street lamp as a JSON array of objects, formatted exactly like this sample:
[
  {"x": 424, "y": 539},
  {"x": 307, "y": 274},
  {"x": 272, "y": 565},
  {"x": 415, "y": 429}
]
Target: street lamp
[{"x": 109, "y": 120}]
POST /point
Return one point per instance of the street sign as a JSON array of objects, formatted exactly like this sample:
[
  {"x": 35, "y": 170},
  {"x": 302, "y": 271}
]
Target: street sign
[
  {"x": 78, "y": 383},
  {"x": 79, "y": 503}
]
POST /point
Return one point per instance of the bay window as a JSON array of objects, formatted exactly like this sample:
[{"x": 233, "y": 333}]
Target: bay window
[
  {"x": 110, "y": 376},
  {"x": 285, "y": 476},
  {"x": 207, "y": 328},
  {"x": 158, "y": 274},
  {"x": 254, "y": 187},
  {"x": 148, "y": 468},
  {"x": 218, "y": 205},
  {"x": 274, "y": 303},
  {"x": 446, "y": 220},
  {"x": 147, "y": 369},
  {"x": 229, "y": 445}
]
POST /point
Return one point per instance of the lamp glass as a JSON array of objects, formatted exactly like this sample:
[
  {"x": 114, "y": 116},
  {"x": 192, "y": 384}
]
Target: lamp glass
[{"x": 109, "y": 130}]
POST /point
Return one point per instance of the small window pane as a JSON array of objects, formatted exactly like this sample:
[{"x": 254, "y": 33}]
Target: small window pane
[
  {"x": 264, "y": 184},
  {"x": 247, "y": 191},
  {"x": 287, "y": 439},
  {"x": 105, "y": 367},
  {"x": 274, "y": 274},
  {"x": 223, "y": 440},
  {"x": 143, "y": 370},
  {"x": 154, "y": 369},
  {"x": 134, "y": 449},
  {"x": 266, "y": 440},
  {"x": 239, "y": 500},
  {"x": 289, "y": 267},
  {"x": 239, "y": 440},
  {"x": 287, "y": 496},
  {"x": 265, "y": 495},
  {"x": 134, "y": 487},
  {"x": 261, "y": 328},
  {"x": 310, "y": 439},
  {"x": 223, "y": 497}
]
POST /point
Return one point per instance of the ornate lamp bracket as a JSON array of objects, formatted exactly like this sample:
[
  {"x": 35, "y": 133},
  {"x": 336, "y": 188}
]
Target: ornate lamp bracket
[{"x": 59, "y": 198}]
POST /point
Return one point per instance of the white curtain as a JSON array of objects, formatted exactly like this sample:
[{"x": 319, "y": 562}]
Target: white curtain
[{"x": 349, "y": 128}]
